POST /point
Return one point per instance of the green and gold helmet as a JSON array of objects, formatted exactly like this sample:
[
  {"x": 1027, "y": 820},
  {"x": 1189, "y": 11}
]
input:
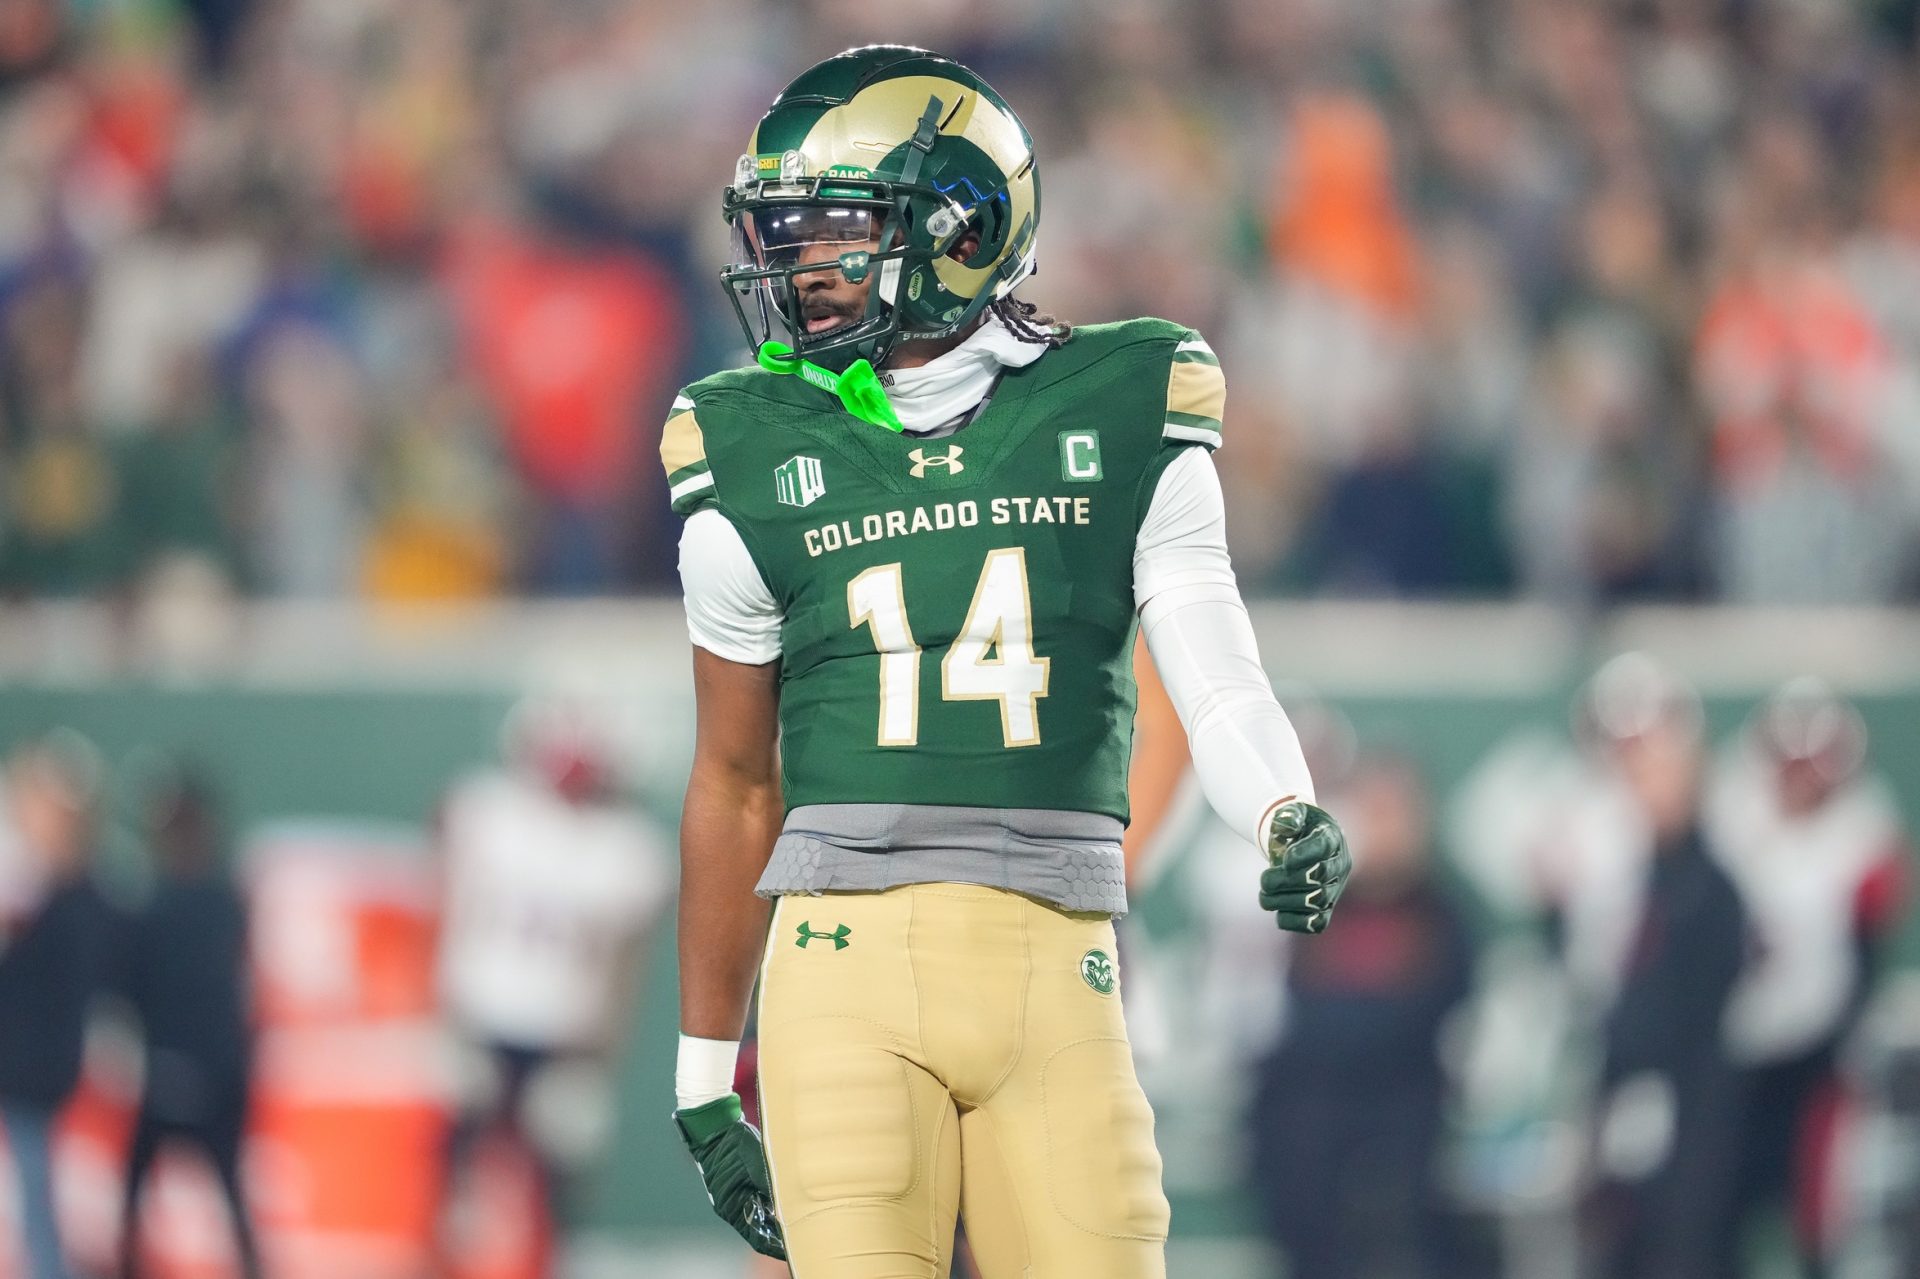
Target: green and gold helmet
[{"x": 897, "y": 154}]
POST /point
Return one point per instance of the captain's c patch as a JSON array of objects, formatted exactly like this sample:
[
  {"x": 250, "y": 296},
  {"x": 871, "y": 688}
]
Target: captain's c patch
[{"x": 1080, "y": 456}]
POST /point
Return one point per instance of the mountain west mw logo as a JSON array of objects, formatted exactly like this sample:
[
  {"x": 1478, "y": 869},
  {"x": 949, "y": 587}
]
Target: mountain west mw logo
[
  {"x": 838, "y": 936},
  {"x": 797, "y": 481},
  {"x": 951, "y": 461}
]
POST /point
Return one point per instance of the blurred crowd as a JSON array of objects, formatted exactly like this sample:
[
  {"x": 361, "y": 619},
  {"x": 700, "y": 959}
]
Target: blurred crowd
[
  {"x": 145, "y": 1024},
  {"x": 1635, "y": 1005},
  {"x": 176, "y": 960},
  {"x": 1579, "y": 301}
]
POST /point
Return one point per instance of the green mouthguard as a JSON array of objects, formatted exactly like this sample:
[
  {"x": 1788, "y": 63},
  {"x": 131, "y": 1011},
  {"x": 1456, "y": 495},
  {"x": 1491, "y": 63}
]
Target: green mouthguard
[{"x": 859, "y": 387}]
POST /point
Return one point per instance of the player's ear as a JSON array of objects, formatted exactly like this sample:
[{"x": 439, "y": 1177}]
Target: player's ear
[{"x": 968, "y": 246}]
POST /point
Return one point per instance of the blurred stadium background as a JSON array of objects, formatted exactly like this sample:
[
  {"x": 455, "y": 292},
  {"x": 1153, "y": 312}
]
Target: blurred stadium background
[{"x": 335, "y": 336}]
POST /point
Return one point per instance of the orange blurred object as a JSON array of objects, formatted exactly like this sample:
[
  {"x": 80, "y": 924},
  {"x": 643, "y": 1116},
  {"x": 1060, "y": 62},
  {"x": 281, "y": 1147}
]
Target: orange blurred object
[
  {"x": 1336, "y": 216},
  {"x": 1788, "y": 354}
]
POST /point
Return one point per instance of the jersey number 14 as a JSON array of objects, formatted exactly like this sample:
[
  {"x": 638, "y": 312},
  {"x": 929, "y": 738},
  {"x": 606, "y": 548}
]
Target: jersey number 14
[{"x": 991, "y": 659}]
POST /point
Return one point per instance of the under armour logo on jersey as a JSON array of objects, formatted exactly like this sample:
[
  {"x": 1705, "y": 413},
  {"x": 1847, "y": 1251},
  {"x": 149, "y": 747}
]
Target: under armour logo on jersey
[
  {"x": 838, "y": 936},
  {"x": 951, "y": 461}
]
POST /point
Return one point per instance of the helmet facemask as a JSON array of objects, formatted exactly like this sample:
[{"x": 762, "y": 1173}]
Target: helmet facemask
[{"x": 788, "y": 232}]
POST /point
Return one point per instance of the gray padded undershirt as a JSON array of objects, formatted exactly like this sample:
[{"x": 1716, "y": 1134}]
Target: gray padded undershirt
[{"x": 1070, "y": 859}]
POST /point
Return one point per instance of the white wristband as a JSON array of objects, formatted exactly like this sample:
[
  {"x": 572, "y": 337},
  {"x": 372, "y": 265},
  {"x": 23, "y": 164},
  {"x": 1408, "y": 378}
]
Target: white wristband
[{"x": 704, "y": 1070}]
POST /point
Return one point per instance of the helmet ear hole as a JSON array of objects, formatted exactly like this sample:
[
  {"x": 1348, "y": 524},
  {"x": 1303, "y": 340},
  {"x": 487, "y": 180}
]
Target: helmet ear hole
[
  {"x": 968, "y": 246},
  {"x": 989, "y": 225}
]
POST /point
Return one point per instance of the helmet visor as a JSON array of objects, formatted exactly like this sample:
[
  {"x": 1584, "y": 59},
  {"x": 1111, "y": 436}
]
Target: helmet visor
[
  {"x": 782, "y": 234},
  {"x": 808, "y": 272}
]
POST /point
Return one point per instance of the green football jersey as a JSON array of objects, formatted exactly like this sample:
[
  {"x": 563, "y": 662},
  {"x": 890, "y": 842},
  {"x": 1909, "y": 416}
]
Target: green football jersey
[{"x": 959, "y": 612}]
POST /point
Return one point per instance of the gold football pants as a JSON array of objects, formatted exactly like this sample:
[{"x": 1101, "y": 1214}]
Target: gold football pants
[{"x": 943, "y": 1047}]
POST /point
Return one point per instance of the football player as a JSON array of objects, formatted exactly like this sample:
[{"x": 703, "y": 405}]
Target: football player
[
  {"x": 1812, "y": 836},
  {"x": 917, "y": 541}
]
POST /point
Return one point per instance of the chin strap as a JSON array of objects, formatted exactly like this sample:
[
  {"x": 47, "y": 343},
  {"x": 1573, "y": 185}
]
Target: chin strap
[
  {"x": 922, "y": 141},
  {"x": 919, "y": 147},
  {"x": 859, "y": 387}
]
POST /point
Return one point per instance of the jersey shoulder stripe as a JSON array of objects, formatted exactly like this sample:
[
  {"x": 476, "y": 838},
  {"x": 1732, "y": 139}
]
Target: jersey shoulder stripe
[
  {"x": 706, "y": 422},
  {"x": 683, "y": 455},
  {"x": 1196, "y": 393},
  {"x": 1194, "y": 388}
]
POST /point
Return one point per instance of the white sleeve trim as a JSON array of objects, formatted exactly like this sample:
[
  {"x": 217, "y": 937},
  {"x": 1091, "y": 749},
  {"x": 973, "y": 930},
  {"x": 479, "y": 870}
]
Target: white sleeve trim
[
  {"x": 730, "y": 611},
  {"x": 1245, "y": 752},
  {"x": 1192, "y": 434},
  {"x": 1183, "y": 539},
  {"x": 691, "y": 485}
]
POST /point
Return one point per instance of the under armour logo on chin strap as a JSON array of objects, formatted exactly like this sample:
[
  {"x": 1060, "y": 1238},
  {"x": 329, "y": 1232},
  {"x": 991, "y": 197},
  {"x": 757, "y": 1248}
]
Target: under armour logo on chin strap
[{"x": 951, "y": 461}]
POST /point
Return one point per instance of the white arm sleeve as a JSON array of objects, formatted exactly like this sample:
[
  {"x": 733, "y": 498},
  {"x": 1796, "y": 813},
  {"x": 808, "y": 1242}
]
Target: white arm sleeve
[
  {"x": 730, "y": 611},
  {"x": 1245, "y": 751}
]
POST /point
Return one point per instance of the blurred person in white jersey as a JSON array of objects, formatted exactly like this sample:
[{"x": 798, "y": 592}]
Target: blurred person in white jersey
[
  {"x": 1814, "y": 841},
  {"x": 551, "y": 882}
]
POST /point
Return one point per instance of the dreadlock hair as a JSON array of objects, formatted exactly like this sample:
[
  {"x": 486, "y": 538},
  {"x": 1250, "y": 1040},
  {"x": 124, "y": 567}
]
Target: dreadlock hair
[{"x": 1030, "y": 324}]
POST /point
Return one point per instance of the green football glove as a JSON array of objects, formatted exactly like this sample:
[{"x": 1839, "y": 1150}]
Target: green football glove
[
  {"x": 1309, "y": 865},
  {"x": 733, "y": 1167}
]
